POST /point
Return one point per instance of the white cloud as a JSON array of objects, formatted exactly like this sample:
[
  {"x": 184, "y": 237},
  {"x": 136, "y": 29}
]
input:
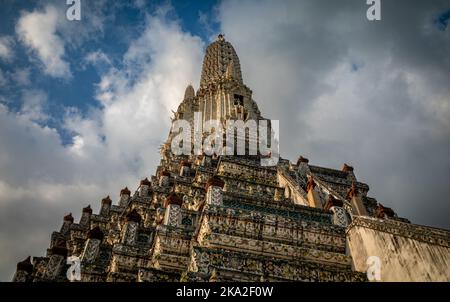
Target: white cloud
[
  {"x": 33, "y": 102},
  {"x": 21, "y": 76},
  {"x": 6, "y": 52},
  {"x": 50, "y": 37},
  {"x": 38, "y": 31},
  {"x": 96, "y": 58},
  {"x": 168, "y": 61}
]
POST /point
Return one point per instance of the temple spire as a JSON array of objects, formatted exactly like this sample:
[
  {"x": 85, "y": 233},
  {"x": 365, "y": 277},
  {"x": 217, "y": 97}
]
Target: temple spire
[{"x": 218, "y": 57}]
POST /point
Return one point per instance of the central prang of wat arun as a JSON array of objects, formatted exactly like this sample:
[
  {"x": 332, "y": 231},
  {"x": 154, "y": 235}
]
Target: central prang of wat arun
[{"x": 206, "y": 216}]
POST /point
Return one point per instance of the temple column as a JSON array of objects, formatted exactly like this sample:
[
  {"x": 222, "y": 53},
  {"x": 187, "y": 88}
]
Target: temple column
[
  {"x": 214, "y": 191},
  {"x": 211, "y": 112},
  {"x": 144, "y": 188},
  {"x": 57, "y": 261},
  {"x": 228, "y": 104},
  {"x": 131, "y": 228},
  {"x": 68, "y": 220},
  {"x": 85, "y": 219},
  {"x": 106, "y": 206},
  {"x": 278, "y": 196},
  {"x": 124, "y": 197},
  {"x": 172, "y": 215},
  {"x": 204, "y": 111},
  {"x": 92, "y": 247},
  {"x": 185, "y": 168},
  {"x": 164, "y": 178}
]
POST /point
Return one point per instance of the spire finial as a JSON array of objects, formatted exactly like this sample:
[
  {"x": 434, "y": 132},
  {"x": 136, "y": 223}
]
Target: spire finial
[{"x": 221, "y": 37}]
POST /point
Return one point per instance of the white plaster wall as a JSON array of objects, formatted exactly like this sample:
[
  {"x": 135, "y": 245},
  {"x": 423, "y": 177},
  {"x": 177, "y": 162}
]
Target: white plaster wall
[{"x": 402, "y": 258}]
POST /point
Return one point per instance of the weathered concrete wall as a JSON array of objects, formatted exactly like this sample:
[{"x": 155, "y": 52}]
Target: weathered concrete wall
[{"x": 407, "y": 252}]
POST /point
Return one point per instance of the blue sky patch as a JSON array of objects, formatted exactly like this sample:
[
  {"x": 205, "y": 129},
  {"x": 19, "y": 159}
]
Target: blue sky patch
[{"x": 442, "y": 20}]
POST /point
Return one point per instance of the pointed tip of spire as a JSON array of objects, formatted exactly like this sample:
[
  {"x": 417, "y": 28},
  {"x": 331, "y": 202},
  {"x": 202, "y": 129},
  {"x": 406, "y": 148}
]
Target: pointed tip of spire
[
  {"x": 216, "y": 60},
  {"x": 189, "y": 93}
]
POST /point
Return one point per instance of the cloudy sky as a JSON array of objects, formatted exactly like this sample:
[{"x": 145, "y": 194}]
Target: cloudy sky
[{"x": 84, "y": 105}]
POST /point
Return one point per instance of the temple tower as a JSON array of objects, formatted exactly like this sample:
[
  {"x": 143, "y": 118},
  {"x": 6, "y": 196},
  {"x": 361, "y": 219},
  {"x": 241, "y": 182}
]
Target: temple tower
[
  {"x": 222, "y": 94},
  {"x": 231, "y": 218}
]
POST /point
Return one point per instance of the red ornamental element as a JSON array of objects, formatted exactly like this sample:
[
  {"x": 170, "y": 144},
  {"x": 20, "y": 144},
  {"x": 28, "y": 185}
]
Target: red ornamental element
[
  {"x": 145, "y": 182},
  {"x": 134, "y": 216},
  {"x": 352, "y": 192},
  {"x": 159, "y": 220},
  {"x": 185, "y": 163},
  {"x": 310, "y": 185},
  {"x": 96, "y": 233},
  {"x": 333, "y": 202},
  {"x": 107, "y": 200},
  {"x": 69, "y": 218},
  {"x": 347, "y": 168},
  {"x": 125, "y": 191},
  {"x": 215, "y": 182},
  {"x": 302, "y": 159},
  {"x": 87, "y": 209},
  {"x": 173, "y": 198},
  {"x": 165, "y": 173}
]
